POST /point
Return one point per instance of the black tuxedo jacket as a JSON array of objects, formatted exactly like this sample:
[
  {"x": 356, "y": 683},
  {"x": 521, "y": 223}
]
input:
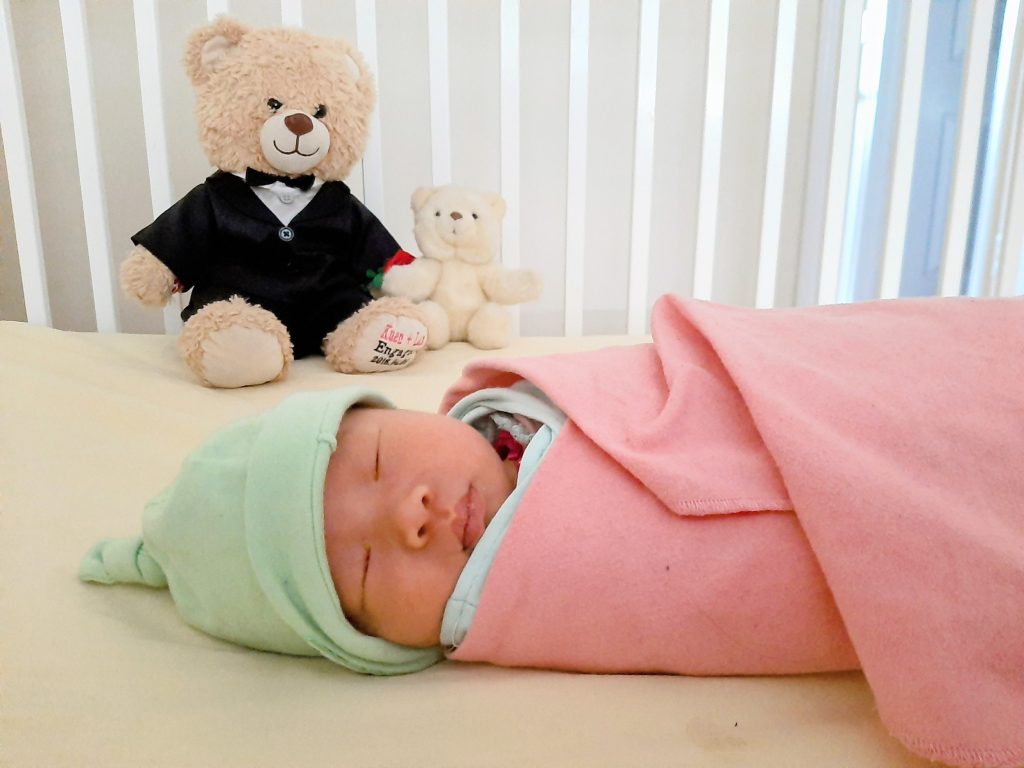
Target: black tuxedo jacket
[{"x": 220, "y": 240}]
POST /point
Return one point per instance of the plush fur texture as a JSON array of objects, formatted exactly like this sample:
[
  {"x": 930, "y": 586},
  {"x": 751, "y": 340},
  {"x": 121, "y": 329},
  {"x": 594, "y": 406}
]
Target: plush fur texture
[
  {"x": 280, "y": 101},
  {"x": 199, "y": 337},
  {"x": 456, "y": 281},
  {"x": 146, "y": 279},
  {"x": 235, "y": 70}
]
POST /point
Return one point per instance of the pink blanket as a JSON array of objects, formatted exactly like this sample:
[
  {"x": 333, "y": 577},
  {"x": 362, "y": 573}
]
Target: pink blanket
[{"x": 894, "y": 429}]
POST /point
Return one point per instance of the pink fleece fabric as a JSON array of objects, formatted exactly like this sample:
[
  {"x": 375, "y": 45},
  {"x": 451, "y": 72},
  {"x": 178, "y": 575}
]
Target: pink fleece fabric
[{"x": 655, "y": 535}]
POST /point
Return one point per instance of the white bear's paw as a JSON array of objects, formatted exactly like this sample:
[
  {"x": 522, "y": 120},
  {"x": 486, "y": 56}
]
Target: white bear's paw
[
  {"x": 437, "y": 322},
  {"x": 234, "y": 344},
  {"x": 489, "y": 328},
  {"x": 412, "y": 281},
  {"x": 525, "y": 284},
  {"x": 385, "y": 335},
  {"x": 512, "y": 286}
]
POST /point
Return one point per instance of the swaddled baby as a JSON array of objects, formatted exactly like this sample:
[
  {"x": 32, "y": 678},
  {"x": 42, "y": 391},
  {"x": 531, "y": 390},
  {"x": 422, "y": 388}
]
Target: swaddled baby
[
  {"x": 755, "y": 492},
  {"x": 290, "y": 532}
]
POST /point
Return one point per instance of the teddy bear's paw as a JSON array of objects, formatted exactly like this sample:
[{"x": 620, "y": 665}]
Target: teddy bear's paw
[
  {"x": 513, "y": 286},
  {"x": 146, "y": 279},
  {"x": 234, "y": 344},
  {"x": 489, "y": 328},
  {"x": 385, "y": 335}
]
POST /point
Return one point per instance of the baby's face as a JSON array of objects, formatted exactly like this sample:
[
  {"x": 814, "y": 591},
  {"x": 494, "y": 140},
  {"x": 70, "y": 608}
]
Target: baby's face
[{"x": 407, "y": 497}]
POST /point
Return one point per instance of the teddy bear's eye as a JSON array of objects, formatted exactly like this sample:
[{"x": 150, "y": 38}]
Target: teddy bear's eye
[
  {"x": 274, "y": 104},
  {"x": 321, "y": 112},
  {"x": 475, "y": 216},
  {"x": 437, "y": 213}
]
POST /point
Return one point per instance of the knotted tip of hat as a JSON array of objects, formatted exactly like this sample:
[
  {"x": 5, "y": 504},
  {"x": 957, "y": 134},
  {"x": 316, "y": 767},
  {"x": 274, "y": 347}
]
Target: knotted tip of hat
[{"x": 121, "y": 561}]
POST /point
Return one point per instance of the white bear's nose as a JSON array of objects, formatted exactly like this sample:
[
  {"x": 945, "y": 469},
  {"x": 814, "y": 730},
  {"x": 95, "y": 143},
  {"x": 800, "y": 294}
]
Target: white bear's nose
[{"x": 456, "y": 215}]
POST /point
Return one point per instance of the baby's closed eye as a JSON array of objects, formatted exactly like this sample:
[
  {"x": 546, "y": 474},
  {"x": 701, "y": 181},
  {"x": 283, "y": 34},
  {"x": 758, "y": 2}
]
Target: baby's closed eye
[{"x": 376, "y": 461}]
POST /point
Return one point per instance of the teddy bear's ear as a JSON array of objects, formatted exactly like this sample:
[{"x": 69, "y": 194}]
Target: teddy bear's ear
[
  {"x": 420, "y": 197},
  {"x": 207, "y": 47},
  {"x": 497, "y": 203},
  {"x": 354, "y": 61}
]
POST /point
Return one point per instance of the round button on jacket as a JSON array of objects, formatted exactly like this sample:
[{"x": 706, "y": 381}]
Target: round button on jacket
[{"x": 286, "y": 233}]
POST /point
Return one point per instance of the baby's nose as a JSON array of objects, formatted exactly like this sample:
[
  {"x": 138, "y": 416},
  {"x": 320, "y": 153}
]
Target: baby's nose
[{"x": 418, "y": 517}]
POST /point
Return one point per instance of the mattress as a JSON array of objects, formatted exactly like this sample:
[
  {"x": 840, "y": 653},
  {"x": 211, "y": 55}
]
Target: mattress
[{"x": 92, "y": 426}]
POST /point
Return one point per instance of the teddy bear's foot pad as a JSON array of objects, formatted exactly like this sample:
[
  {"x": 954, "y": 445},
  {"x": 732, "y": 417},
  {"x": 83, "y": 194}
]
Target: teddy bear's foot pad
[
  {"x": 237, "y": 356},
  {"x": 375, "y": 340}
]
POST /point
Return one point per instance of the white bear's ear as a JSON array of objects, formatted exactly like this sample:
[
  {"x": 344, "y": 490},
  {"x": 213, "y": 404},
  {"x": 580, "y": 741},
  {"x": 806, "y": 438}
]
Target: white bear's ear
[
  {"x": 420, "y": 197},
  {"x": 207, "y": 47},
  {"x": 497, "y": 203}
]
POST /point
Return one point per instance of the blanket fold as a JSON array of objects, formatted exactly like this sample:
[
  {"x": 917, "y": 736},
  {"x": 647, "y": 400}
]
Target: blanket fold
[{"x": 893, "y": 429}]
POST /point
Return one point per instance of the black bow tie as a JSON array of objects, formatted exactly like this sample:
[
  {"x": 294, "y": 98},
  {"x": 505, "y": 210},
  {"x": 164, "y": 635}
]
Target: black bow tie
[{"x": 256, "y": 178}]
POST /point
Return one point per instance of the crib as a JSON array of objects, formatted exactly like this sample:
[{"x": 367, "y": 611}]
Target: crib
[{"x": 766, "y": 154}]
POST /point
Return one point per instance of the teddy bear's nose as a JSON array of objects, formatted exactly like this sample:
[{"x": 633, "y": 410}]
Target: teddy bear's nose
[
  {"x": 298, "y": 123},
  {"x": 456, "y": 215}
]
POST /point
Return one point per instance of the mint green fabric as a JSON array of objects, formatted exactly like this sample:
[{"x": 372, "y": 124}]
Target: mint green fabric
[{"x": 238, "y": 539}]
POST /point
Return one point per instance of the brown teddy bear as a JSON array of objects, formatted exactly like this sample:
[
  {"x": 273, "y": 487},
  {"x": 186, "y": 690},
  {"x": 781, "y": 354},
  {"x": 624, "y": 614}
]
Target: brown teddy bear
[{"x": 277, "y": 251}]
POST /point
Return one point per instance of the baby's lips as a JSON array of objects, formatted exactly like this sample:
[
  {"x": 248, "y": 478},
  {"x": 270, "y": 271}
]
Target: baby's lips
[{"x": 471, "y": 512}]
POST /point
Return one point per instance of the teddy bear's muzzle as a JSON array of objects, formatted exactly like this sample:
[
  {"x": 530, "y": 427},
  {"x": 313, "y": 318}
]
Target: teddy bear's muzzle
[{"x": 295, "y": 142}]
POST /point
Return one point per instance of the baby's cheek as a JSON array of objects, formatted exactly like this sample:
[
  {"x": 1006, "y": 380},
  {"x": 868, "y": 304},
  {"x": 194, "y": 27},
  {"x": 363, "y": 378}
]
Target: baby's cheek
[{"x": 413, "y": 614}]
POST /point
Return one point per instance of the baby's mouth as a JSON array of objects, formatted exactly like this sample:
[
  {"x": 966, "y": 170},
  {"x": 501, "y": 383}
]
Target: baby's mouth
[{"x": 471, "y": 513}]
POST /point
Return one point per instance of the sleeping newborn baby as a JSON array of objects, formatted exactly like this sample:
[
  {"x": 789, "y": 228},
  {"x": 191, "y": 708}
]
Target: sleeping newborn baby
[
  {"x": 289, "y": 532},
  {"x": 407, "y": 497},
  {"x": 755, "y": 492}
]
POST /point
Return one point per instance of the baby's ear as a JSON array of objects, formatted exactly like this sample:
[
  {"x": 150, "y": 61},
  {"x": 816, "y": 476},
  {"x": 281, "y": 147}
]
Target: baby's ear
[{"x": 209, "y": 45}]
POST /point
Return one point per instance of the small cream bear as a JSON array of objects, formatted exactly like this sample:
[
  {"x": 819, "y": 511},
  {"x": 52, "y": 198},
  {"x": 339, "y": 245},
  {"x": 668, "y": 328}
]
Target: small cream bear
[{"x": 456, "y": 282}]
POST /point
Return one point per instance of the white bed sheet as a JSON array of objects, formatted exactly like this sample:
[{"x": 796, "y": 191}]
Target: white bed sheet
[{"x": 91, "y": 426}]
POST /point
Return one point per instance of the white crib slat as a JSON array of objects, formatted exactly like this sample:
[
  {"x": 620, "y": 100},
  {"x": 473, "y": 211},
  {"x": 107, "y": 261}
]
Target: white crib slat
[
  {"x": 711, "y": 149},
  {"x": 94, "y": 202},
  {"x": 778, "y": 139},
  {"x": 1011, "y": 270},
  {"x": 842, "y": 144},
  {"x": 216, "y": 8},
  {"x": 147, "y": 40},
  {"x": 147, "y": 43},
  {"x": 576, "y": 183},
  {"x": 996, "y": 163},
  {"x": 643, "y": 167},
  {"x": 291, "y": 13},
  {"x": 509, "y": 126},
  {"x": 373, "y": 166},
  {"x": 903, "y": 159},
  {"x": 971, "y": 103},
  {"x": 510, "y": 131},
  {"x": 440, "y": 103},
  {"x": 1008, "y": 248},
  {"x": 14, "y": 129}
]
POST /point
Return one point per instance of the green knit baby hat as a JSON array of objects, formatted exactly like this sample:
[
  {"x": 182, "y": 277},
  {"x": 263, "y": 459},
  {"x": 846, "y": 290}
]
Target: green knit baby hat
[{"x": 239, "y": 539}]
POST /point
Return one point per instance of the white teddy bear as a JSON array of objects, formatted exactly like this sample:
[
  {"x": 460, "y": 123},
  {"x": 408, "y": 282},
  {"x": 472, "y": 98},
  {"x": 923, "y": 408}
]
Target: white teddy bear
[{"x": 456, "y": 282}]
